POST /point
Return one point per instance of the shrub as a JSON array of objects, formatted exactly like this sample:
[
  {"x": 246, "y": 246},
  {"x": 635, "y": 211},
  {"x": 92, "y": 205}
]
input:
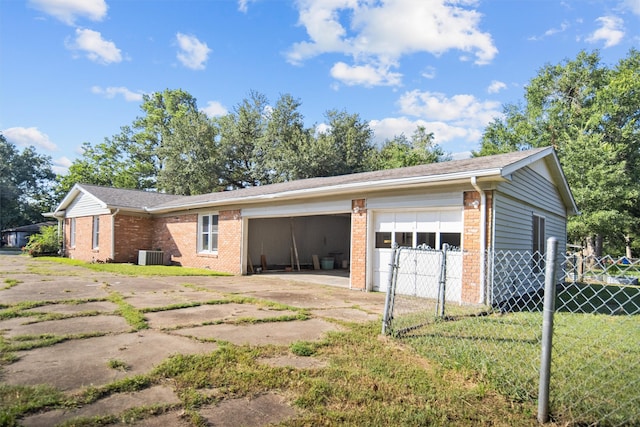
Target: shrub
[{"x": 45, "y": 242}]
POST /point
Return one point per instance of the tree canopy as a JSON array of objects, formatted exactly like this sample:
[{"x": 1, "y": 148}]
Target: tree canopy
[
  {"x": 175, "y": 148},
  {"x": 590, "y": 114},
  {"x": 26, "y": 179}
]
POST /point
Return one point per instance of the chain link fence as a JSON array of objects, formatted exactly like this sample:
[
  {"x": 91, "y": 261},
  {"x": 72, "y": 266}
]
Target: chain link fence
[{"x": 595, "y": 356}]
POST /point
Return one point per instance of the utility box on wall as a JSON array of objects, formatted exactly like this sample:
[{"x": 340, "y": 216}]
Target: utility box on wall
[{"x": 150, "y": 258}]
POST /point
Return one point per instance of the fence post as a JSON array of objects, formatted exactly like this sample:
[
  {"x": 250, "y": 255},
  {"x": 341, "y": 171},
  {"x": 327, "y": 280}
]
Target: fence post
[
  {"x": 388, "y": 303},
  {"x": 443, "y": 281},
  {"x": 547, "y": 329}
]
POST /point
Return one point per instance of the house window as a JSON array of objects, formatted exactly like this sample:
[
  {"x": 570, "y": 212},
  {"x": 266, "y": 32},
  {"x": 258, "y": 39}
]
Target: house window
[
  {"x": 428, "y": 239},
  {"x": 208, "y": 233},
  {"x": 453, "y": 239},
  {"x": 383, "y": 239},
  {"x": 538, "y": 227},
  {"x": 72, "y": 233},
  {"x": 404, "y": 239},
  {"x": 96, "y": 232}
]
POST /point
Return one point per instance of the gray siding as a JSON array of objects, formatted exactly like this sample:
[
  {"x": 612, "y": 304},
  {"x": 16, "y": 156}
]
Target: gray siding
[
  {"x": 517, "y": 201},
  {"x": 85, "y": 205}
]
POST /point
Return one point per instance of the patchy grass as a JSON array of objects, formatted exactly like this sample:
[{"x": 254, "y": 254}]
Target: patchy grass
[
  {"x": 134, "y": 317},
  {"x": 136, "y": 270},
  {"x": 10, "y": 283},
  {"x": 18, "y": 400},
  {"x": 118, "y": 365},
  {"x": 369, "y": 380}
]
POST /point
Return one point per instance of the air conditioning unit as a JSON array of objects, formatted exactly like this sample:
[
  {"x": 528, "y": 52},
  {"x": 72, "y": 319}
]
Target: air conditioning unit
[{"x": 150, "y": 258}]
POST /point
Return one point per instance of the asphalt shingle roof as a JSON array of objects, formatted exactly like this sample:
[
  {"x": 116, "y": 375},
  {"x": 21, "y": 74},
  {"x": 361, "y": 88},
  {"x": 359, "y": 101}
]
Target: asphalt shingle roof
[
  {"x": 127, "y": 198},
  {"x": 433, "y": 169}
]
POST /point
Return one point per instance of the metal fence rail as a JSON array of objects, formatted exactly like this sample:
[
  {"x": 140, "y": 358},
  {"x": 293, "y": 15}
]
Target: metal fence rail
[{"x": 595, "y": 357}]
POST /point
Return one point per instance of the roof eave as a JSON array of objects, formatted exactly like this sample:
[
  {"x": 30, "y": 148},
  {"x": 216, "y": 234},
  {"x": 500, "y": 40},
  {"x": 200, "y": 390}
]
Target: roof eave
[{"x": 369, "y": 186}]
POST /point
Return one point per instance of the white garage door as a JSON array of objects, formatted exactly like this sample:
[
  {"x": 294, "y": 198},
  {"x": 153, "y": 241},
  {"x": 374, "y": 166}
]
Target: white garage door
[{"x": 411, "y": 229}]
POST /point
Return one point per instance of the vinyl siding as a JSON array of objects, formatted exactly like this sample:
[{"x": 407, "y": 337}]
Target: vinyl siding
[
  {"x": 516, "y": 202},
  {"x": 85, "y": 205}
]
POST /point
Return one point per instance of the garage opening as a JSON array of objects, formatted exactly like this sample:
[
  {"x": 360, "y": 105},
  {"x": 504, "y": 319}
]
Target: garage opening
[{"x": 311, "y": 243}]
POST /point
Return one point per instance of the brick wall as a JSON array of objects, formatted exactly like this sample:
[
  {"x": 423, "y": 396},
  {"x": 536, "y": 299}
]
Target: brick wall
[
  {"x": 177, "y": 236},
  {"x": 358, "y": 244},
  {"x": 471, "y": 271},
  {"x": 83, "y": 249},
  {"x": 133, "y": 233}
]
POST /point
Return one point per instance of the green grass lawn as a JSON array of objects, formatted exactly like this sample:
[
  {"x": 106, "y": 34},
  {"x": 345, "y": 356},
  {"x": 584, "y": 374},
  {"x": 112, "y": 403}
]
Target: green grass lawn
[
  {"x": 595, "y": 357},
  {"x": 136, "y": 270}
]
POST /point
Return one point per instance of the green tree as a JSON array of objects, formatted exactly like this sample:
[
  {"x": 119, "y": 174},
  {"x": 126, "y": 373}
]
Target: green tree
[
  {"x": 589, "y": 113},
  {"x": 26, "y": 179},
  {"x": 190, "y": 156},
  {"x": 401, "y": 152},
  {"x": 151, "y": 129},
  {"x": 284, "y": 148},
  {"x": 239, "y": 132}
]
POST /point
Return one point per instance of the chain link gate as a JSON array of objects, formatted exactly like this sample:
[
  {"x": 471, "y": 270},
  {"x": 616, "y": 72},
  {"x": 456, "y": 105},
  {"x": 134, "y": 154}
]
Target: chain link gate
[
  {"x": 424, "y": 284},
  {"x": 595, "y": 353}
]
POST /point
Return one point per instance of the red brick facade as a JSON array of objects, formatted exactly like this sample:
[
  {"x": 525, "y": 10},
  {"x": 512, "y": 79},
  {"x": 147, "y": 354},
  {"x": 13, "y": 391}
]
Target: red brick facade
[
  {"x": 177, "y": 236},
  {"x": 471, "y": 271},
  {"x": 358, "y": 244}
]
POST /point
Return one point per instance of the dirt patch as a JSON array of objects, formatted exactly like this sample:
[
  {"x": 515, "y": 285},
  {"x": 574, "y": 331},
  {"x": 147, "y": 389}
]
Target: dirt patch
[{"x": 297, "y": 362}]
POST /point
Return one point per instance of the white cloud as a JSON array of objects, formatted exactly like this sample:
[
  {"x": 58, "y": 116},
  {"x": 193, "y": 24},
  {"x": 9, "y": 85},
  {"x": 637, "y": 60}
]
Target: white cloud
[
  {"x": 552, "y": 31},
  {"x": 429, "y": 72},
  {"x": 95, "y": 47},
  {"x": 378, "y": 34},
  {"x": 61, "y": 165},
  {"x": 496, "y": 86},
  {"x": 453, "y": 120},
  {"x": 243, "y": 5},
  {"x": 25, "y": 137},
  {"x": 461, "y": 110},
  {"x": 633, "y": 6},
  {"x": 68, "y": 11},
  {"x": 365, "y": 75},
  {"x": 611, "y": 31},
  {"x": 443, "y": 132},
  {"x": 193, "y": 53},
  {"x": 112, "y": 91},
  {"x": 214, "y": 109}
]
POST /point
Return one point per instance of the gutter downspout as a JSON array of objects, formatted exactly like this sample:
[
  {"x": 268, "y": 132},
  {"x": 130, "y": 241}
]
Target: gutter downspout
[
  {"x": 483, "y": 237},
  {"x": 113, "y": 234}
]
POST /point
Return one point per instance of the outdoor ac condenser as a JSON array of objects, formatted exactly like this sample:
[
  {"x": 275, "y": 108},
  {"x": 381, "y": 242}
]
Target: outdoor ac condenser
[{"x": 150, "y": 257}]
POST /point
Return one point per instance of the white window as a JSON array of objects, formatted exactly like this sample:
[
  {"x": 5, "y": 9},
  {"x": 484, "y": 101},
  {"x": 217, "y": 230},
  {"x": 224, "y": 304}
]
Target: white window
[
  {"x": 72, "y": 233},
  {"x": 208, "y": 233},
  {"x": 96, "y": 232}
]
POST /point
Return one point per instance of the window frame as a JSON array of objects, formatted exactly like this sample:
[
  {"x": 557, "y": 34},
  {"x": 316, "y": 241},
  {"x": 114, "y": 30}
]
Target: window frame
[
  {"x": 213, "y": 230},
  {"x": 95, "y": 232},
  {"x": 72, "y": 233},
  {"x": 538, "y": 236}
]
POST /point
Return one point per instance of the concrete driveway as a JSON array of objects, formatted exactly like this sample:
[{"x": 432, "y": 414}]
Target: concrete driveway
[{"x": 187, "y": 318}]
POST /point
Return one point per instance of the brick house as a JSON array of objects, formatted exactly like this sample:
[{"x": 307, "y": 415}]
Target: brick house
[{"x": 508, "y": 201}]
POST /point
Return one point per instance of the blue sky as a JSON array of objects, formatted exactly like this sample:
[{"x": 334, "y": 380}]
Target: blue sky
[{"x": 74, "y": 71}]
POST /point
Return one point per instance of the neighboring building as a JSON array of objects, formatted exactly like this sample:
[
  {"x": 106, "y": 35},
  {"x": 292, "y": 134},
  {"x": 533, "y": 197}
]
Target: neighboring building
[
  {"x": 508, "y": 201},
  {"x": 17, "y": 237}
]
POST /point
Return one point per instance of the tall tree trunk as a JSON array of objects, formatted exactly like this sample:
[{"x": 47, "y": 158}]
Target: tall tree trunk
[
  {"x": 598, "y": 245},
  {"x": 627, "y": 246}
]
